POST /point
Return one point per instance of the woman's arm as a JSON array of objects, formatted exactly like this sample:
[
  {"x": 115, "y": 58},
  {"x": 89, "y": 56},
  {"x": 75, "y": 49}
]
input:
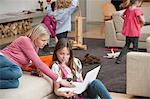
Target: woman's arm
[{"x": 26, "y": 45}]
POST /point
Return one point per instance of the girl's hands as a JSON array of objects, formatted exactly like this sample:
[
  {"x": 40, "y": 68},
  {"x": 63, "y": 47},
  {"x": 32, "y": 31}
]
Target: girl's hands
[
  {"x": 68, "y": 94},
  {"x": 66, "y": 83}
]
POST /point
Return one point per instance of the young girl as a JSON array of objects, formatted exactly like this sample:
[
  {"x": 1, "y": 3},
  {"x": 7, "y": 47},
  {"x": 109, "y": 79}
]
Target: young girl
[
  {"x": 70, "y": 68},
  {"x": 133, "y": 21},
  {"x": 62, "y": 14}
]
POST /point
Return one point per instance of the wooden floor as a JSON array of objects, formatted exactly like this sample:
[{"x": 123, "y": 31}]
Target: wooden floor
[
  {"x": 96, "y": 30},
  {"x": 125, "y": 96}
]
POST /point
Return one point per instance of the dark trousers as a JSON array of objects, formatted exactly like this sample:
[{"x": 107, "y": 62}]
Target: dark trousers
[
  {"x": 129, "y": 40},
  {"x": 62, "y": 35}
]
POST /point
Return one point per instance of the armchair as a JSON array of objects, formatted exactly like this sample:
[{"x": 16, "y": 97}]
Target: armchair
[{"x": 138, "y": 74}]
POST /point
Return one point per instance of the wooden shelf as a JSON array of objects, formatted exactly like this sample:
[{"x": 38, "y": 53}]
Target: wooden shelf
[{"x": 37, "y": 17}]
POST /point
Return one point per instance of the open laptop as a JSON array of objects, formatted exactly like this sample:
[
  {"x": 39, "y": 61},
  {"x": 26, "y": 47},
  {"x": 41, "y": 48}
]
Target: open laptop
[{"x": 81, "y": 86}]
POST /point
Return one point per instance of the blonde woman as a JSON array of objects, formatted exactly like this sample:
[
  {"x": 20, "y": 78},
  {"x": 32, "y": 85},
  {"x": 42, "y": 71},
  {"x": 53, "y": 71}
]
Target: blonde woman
[{"x": 23, "y": 52}]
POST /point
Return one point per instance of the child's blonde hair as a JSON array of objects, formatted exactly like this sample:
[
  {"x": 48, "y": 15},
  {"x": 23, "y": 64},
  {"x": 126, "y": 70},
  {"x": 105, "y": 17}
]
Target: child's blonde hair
[
  {"x": 63, "y": 4},
  {"x": 38, "y": 31},
  {"x": 127, "y": 3}
]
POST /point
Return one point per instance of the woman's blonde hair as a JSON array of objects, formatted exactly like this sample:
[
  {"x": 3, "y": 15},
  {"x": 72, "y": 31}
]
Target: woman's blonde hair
[
  {"x": 38, "y": 31},
  {"x": 63, "y": 4}
]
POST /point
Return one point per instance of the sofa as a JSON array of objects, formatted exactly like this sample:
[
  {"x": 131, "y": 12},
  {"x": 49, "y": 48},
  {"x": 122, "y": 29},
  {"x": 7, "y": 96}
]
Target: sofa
[
  {"x": 113, "y": 28},
  {"x": 138, "y": 74},
  {"x": 31, "y": 87}
]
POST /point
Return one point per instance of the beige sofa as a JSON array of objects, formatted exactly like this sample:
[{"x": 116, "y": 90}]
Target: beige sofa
[
  {"x": 31, "y": 87},
  {"x": 138, "y": 73},
  {"x": 113, "y": 27}
]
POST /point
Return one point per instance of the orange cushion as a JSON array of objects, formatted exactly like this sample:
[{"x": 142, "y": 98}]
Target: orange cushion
[{"x": 46, "y": 59}]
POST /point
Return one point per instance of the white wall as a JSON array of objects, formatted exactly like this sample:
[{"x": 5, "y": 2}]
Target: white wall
[
  {"x": 93, "y": 9},
  {"x": 10, "y": 6}
]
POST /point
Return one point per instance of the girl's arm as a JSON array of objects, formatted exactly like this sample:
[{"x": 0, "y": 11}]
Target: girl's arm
[
  {"x": 142, "y": 20},
  {"x": 55, "y": 68},
  {"x": 64, "y": 94},
  {"x": 49, "y": 10},
  {"x": 66, "y": 12}
]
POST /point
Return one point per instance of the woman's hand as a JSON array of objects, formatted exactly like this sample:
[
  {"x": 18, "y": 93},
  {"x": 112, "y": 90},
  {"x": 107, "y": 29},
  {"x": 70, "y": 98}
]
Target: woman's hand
[{"x": 66, "y": 83}]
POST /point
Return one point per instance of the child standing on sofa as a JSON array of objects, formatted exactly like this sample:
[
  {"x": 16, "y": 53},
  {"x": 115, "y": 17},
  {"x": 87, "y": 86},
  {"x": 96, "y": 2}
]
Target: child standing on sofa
[
  {"x": 70, "y": 68},
  {"x": 133, "y": 22}
]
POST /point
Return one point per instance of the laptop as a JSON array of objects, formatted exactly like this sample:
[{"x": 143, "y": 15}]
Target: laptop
[{"x": 82, "y": 86}]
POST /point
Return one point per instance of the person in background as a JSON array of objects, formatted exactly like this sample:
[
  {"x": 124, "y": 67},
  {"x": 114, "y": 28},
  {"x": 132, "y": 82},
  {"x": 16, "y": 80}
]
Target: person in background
[
  {"x": 70, "y": 68},
  {"x": 62, "y": 13},
  {"x": 116, "y": 3},
  {"x": 50, "y": 22},
  {"x": 133, "y": 22},
  {"x": 23, "y": 52}
]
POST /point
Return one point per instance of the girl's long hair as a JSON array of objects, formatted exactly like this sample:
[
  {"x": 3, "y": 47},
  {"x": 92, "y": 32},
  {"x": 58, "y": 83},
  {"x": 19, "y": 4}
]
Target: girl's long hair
[
  {"x": 127, "y": 3},
  {"x": 64, "y": 42}
]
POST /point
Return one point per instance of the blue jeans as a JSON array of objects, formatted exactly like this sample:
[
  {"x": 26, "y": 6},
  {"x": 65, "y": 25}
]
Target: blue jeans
[
  {"x": 95, "y": 89},
  {"x": 9, "y": 73}
]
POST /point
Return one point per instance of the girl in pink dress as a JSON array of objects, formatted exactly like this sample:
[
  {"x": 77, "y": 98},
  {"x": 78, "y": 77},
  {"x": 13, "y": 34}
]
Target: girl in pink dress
[{"x": 133, "y": 21}]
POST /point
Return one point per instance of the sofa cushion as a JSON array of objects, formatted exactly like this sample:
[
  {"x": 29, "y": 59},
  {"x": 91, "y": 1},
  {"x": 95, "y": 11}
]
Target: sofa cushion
[
  {"x": 118, "y": 20},
  {"x": 146, "y": 13},
  {"x": 31, "y": 87},
  {"x": 145, "y": 33}
]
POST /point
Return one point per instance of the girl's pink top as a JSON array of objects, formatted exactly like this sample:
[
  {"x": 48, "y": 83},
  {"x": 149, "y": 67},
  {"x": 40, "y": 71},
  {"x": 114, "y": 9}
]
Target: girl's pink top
[
  {"x": 132, "y": 25},
  {"x": 24, "y": 53}
]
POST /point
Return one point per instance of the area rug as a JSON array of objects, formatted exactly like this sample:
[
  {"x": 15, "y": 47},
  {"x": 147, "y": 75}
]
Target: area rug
[{"x": 112, "y": 75}]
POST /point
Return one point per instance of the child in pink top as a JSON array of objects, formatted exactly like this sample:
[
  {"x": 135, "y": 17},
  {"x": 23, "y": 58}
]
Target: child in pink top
[
  {"x": 70, "y": 68},
  {"x": 23, "y": 52},
  {"x": 133, "y": 21}
]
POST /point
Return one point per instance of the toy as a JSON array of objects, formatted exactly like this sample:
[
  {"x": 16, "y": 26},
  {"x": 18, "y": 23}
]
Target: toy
[
  {"x": 114, "y": 53},
  {"x": 78, "y": 42}
]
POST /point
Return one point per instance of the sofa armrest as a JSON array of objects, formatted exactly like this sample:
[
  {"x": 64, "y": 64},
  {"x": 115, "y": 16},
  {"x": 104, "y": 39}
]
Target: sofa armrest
[
  {"x": 146, "y": 13},
  {"x": 110, "y": 33},
  {"x": 138, "y": 73},
  {"x": 148, "y": 44}
]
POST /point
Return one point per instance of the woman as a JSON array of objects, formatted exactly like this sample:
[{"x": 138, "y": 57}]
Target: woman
[{"x": 23, "y": 52}]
